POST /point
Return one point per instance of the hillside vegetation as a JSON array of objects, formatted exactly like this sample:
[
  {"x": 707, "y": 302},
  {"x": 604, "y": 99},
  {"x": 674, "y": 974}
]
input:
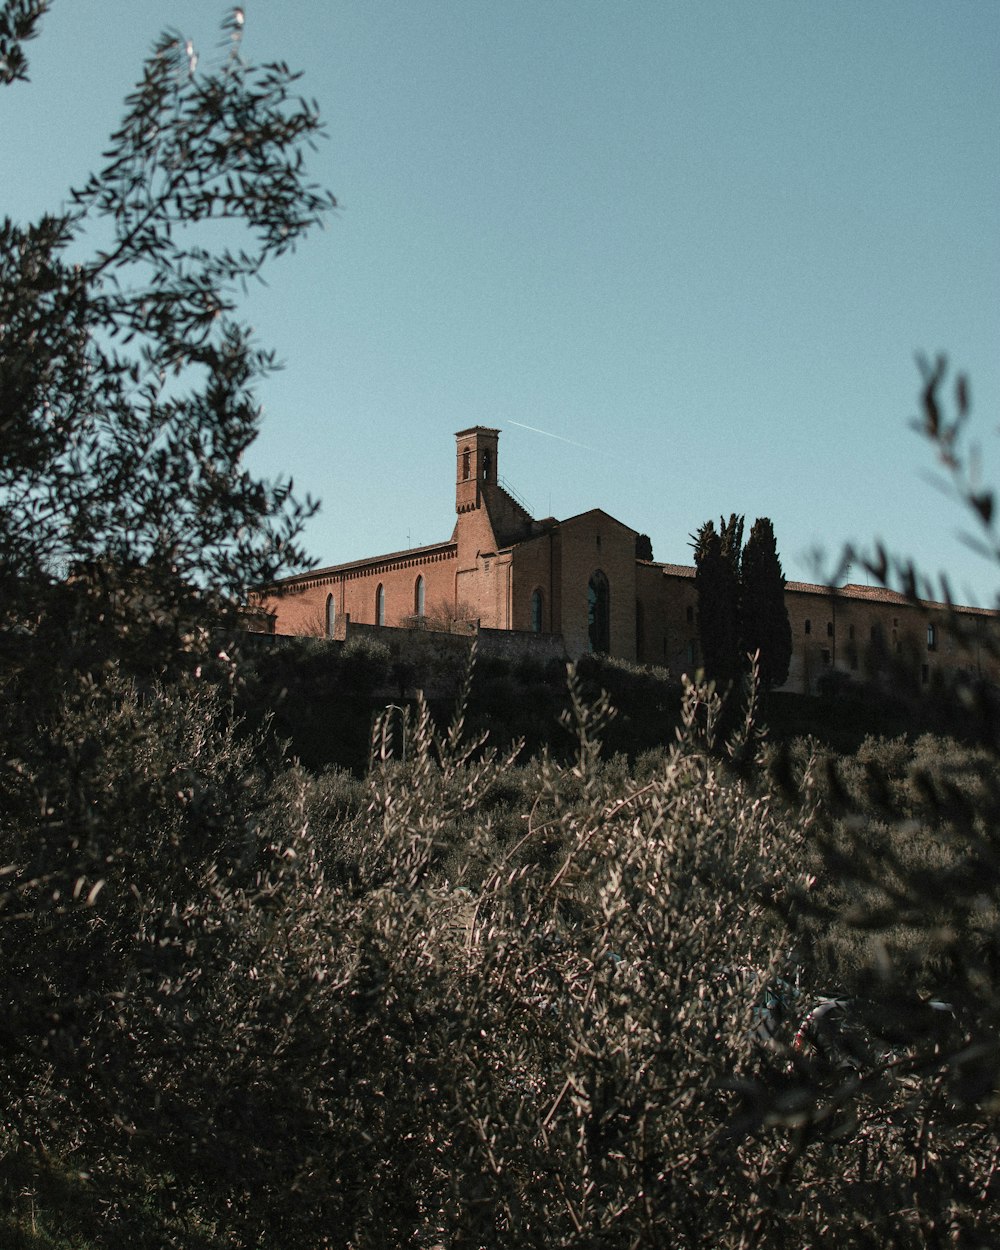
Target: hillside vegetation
[{"x": 466, "y": 1000}]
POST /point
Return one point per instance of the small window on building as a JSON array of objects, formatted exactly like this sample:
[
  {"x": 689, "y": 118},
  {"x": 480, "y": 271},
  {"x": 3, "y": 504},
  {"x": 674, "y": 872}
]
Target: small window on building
[
  {"x": 486, "y": 465},
  {"x": 536, "y": 611},
  {"x": 380, "y": 605},
  {"x": 418, "y": 597},
  {"x": 895, "y": 622},
  {"x": 331, "y": 615},
  {"x": 829, "y": 629},
  {"x": 466, "y": 465},
  {"x": 931, "y": 637},
  {"x": 809, "y": 626}
]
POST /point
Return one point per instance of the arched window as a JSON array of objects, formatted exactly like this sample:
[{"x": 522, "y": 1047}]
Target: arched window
[
  {"x": 331, "y": 615},
  {"x": 486, "y": 465},
  {"x": 418, "y": 597},
  {"x": 931, "y": 637},
  {"x": 536, "y": 611},
  {"x": 380, "y": 605},
  {"x": 466, "y": 464},
  {"x": 599, "y": 612}
]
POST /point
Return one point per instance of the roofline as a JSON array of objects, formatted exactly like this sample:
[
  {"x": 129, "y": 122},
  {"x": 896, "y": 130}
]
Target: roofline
[
  {"x": 851, "y": 590},
  {"x": 484, "y": 429},
  {"x": 590, "y": 511},
  {"x": 330, "y": 570}
]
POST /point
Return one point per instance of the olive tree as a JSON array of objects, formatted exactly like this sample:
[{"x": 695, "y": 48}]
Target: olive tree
[
  {"x": 139, "y": 878},
  {"x": 127, "y": 378}
]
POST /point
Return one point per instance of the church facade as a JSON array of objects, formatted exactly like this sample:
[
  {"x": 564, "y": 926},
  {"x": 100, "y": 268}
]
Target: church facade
[{"x": 588, "y": 581}]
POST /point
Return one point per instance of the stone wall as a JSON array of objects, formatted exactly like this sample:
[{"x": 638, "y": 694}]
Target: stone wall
[{"x": 434, "y": 660}]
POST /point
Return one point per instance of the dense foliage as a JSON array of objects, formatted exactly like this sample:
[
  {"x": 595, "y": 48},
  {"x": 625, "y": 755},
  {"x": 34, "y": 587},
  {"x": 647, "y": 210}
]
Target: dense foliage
[
  {"x": 741, "y": 602},
  {"x": 128, "y": 522},
  {"x": 766, "y": 631},
  {"x": 472, "y": 994},
  {"x": 717, "y": 582}
]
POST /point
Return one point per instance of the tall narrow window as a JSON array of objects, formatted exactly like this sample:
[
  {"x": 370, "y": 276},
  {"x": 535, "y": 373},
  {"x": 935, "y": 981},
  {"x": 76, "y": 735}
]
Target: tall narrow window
[
  {"x": 599, "y": 612},
  {"x": 466, "y": 465},
  {"x": 331, "y": 615},
  {"x": 486, "y": 464},
  {"x": 418, "y": 597},
  {"x": 808, "y": 626},
  {"x": 380, "y": 605},
  {"x": 931, "y": 637},
  {"x": 536, "y": 611}
]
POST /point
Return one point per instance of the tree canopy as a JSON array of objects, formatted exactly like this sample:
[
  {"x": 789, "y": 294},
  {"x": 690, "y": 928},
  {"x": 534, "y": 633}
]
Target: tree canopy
[
  {"x": 741, "y": 603},
  {"x": 764, "y": 616},
  {"x": 717, "y": 581},
  {"x": 127, "y": 378}
]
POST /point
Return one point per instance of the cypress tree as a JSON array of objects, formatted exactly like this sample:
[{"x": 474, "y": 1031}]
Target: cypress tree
[
  {"x": 718, "y": 586},
  {"x": 764, "y": 615},
  {"x": 731, "y": 537}
]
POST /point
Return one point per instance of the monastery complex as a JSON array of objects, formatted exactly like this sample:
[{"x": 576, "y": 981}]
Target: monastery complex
[{"x": 586, "y": 584}]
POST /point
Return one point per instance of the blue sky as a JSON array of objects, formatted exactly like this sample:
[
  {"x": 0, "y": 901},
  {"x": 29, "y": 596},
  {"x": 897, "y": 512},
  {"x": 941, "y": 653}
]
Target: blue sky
[{"x": 698, "y": 245}]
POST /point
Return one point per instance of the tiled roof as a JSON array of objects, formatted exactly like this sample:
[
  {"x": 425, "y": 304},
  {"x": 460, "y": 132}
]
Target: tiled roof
[
  {"x": 853, "y": 590},
  {"x": 410, "y": 553},
  {"x": 882, "y": 594}
]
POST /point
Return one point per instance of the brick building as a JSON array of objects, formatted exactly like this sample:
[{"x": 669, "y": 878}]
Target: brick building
[{"x": 586, "y": 580}]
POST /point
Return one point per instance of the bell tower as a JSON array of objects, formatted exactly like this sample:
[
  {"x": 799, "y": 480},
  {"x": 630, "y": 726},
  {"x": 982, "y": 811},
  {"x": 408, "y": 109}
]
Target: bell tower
[{"x": 476, "y": 451}]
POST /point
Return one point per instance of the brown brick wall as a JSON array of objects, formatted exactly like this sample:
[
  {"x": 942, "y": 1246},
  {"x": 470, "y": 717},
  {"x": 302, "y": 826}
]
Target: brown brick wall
[
  {"x": 536, "y": 566},
  {"x": 301, "y": 609},
  {"x": 669, "y": 620},
  {"x": 871, "y": 639},
  {"x": 594, "y": 541}
]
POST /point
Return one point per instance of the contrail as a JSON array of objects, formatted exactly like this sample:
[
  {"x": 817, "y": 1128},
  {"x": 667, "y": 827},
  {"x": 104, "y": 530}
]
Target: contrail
[{"x": 535, "y": 430}]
